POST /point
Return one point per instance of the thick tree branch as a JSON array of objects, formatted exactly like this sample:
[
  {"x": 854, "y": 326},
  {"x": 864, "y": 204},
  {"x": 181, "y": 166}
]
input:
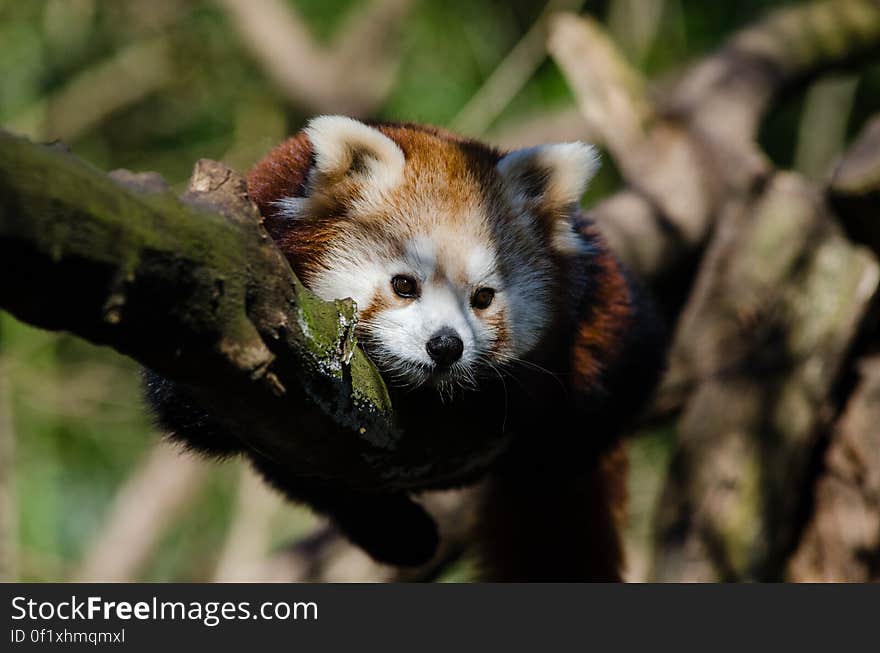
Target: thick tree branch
[
  {"x": 203, "y": 298},
  {"x": 197, "y": 291}
]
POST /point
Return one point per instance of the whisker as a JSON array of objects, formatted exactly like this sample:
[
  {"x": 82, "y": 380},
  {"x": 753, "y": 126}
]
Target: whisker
[{"x": 504, "y": 388}]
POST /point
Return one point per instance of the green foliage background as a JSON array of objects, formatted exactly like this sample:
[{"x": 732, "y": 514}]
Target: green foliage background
[{"x": 78, "y": 423}]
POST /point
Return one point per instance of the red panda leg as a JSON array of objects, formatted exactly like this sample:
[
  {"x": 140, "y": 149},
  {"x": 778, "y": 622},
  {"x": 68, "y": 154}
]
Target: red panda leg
[
  {"x": 392, "y": 528},
  {"x": 554, "y": 529}
]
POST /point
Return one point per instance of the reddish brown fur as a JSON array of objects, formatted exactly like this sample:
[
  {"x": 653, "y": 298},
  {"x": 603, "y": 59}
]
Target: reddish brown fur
[
  {"x": 281, "y": 173},
  {"x": 559, "y": 530},
  {"x": 554, "y": 531},
  {"x": 378, "y": 303},
  {"x": 284, "y": 173},
  {"x": 499, "y": 324},
  {"x": 598, "y": 336},
  {"x": 563, "y": 529}
]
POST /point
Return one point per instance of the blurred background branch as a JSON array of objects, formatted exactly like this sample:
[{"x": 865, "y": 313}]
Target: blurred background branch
[
  {"x": 9, "y": 569},
  {"x": 841, "y": 542},
  {"x": 770, "y": 391},
  {"x": 159, "y": 491},
  {"x": 508, "y": 79},
  {"x": 855, "y": 187},
  {"x": 248, "y": 541},
  {"x": 350, "y": 75},
  {"x": 126, "y": 78}
]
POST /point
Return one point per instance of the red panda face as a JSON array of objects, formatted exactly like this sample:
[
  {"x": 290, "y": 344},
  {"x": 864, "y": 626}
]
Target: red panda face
[{"x": 450, "y": 250}]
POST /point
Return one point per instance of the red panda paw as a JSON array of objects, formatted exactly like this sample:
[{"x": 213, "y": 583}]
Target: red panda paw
[{"x": 393, "y": 530}]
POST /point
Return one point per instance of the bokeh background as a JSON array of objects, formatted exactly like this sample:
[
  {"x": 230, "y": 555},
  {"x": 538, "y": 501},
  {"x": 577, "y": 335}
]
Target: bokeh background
[{"x": 157, "y": 84}]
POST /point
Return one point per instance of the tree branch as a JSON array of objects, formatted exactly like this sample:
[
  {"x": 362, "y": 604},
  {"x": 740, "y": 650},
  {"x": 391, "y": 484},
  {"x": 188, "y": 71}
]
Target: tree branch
[
  {"x": 689, "y": 152},
  {"x": 764, "y": 333},
  {"x": 729, "y": 92},
  {"x": 610, "y": 93},
  {"x": 203, "y": 298}
]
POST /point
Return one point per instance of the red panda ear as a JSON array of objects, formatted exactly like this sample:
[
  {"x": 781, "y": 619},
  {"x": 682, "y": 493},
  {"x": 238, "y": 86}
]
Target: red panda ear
[
  {"x": 549, "y": 176},
  {"x": 349, "y": 152},
  {"x": 548, "y": 181}
]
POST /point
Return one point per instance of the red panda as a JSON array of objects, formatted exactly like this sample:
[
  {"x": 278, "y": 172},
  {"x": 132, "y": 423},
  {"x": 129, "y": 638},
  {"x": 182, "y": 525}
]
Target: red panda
[{"x": 483, "y": 292}]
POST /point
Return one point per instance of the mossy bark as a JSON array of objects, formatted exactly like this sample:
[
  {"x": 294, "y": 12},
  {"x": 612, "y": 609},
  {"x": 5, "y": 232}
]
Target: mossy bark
[{"x": 195, "y": 289}]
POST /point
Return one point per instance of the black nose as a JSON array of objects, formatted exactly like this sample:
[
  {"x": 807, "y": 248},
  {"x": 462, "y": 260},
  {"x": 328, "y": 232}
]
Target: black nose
[{"x": 445, "y": 347}]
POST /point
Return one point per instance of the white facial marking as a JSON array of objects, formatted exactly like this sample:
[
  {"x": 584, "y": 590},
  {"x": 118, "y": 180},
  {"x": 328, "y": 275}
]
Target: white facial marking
[
  {"x": 337, "y": 140},
  {"x": 356, "y": 272},
  {"x": 449, "y": 266},
  {"x": 425, "y": 227},
  {"x": 420, "y": 253}
]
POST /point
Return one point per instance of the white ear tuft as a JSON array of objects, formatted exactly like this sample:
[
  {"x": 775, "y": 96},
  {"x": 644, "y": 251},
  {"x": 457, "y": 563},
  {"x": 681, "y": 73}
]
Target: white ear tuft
[
  {"x": 552, "y": 175},
  {"x": 547, "y": 182},
  {"x": 344, "y": 147},
  {"x": 291, "y": 208}
]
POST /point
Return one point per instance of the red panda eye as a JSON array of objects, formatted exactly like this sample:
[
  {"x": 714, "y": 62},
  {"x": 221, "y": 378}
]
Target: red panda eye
[
  {"x": 482, "y": 298},
  {"x": 405, "y": 286}
]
